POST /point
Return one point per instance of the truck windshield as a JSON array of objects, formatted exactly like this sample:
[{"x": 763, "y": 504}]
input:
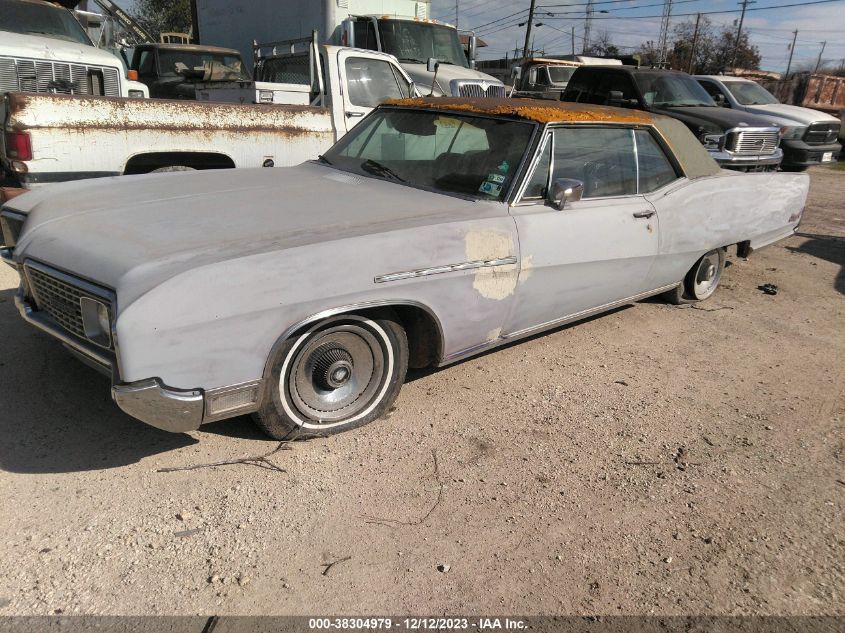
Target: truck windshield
[
  {"x": 416, "y": 42},
  {"x": 749, "y": 93},
  {"x": 451, "y": 153},
  {"x": 31, "y": 18},
  {"x": 201, "y": 65},
  {"x": 671, "y": 90},
  {"x": 560, "y": 74}
]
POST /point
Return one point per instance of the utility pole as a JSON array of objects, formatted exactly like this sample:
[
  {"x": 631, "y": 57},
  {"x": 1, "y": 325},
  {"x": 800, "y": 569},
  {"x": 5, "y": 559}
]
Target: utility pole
[
  {"x": 573, "y": 41},
  {"x": 528, "y": 29},
  {"x": 694, "y": 43},
  {"x": 819, "y": 61},
  {"x": 744, "y": 4},
  {"x": 456, "y": 13},
  {"x": 588, "y": 26},
  {"x": 791, "y": 52}
]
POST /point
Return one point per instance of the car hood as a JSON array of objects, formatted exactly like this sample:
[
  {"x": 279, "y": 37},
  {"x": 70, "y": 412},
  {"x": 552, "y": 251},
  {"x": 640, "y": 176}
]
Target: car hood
[
  {"x": 790, "y": 114},
  {"x": 52, "y": 49},
  {"x": 131, "y": 233},
  {"x": 709, "y": 116},
  {"x": 446, "y": 73}
]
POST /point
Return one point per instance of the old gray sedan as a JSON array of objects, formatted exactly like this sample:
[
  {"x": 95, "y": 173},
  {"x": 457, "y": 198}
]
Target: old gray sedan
[{"x": 436, "y": 229}]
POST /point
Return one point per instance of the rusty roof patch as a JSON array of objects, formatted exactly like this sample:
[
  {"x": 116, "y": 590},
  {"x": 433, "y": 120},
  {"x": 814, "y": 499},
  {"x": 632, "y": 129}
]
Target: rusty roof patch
[{"x": 537, "y": 110}]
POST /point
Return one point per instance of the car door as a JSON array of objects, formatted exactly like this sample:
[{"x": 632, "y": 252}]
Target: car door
[
  {"x": 595, "y": 251},
  {"x": 366, "y": 82}
]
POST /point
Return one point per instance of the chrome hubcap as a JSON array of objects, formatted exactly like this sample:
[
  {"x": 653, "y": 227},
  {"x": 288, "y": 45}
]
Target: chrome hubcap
[
  {"x": 336, "y": 373},
  {"x": 707, "y": 275}
]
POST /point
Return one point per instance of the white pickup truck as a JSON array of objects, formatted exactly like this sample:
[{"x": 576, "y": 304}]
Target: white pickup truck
[{"x": 56, "y": 138}]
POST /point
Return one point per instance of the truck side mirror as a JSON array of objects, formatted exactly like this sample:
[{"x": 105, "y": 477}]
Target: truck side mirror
[
  {"x": 516, "y": 73},
  {"x": 472, "y": 48},
  {"x": 565, "y": 190},
  {"x": 614, "y": 98},
  {"x": 432, "y": 65}
]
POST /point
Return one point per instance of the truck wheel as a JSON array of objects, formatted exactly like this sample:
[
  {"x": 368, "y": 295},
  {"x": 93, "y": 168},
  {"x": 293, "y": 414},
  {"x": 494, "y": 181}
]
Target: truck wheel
[
  {"x": 340, "y": 374},
  {"x": 701, "y": 281},
  {"x": 162, "y": 170}
]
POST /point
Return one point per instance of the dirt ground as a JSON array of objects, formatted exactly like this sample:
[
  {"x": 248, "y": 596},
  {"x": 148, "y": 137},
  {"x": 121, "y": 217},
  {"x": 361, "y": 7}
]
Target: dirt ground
[{"x": 652, "y": 460}]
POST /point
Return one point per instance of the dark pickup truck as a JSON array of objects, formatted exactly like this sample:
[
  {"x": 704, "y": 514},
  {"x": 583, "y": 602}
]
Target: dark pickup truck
[
  {"x": 735, "y": 140},
  {"x": 173, "y": 71}
]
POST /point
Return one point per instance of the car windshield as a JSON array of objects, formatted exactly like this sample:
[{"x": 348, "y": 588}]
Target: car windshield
[
  {"x": 416, "y": 42},
  {"x": 749, "y": 93},
  {"x": 202, "y": 66},
  {"x": 671, "y": 90},
  {"x": 451, "y": 153},
  {"x": 31, "y": 18},
  {"x": 560, "y": 74}
]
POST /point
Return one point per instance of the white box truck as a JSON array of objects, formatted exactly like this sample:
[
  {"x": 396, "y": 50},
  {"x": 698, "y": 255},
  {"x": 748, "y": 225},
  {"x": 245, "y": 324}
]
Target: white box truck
[{"x": 401, "y": 28}]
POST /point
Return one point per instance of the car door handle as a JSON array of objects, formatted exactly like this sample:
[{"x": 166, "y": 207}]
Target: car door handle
[
  {"x": 643, "y": 214},
  {"x": 353, "y": 115}
]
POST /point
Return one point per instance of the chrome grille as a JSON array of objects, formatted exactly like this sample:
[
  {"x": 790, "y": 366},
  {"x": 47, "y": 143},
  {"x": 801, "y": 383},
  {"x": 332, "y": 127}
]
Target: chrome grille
[
  {"x": 477, "y": 90},
  {"x": 822, "y": 133},
  {"x": 26, "y": 75},
  {"x": 59, "y": 298},
  {"x": 753, "y": 142}
]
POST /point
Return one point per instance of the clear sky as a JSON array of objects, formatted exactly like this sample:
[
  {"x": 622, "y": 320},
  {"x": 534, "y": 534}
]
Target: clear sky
[{"x": 630, "y": 22}]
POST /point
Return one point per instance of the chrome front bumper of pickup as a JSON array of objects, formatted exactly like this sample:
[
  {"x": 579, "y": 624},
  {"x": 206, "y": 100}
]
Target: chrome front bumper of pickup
[
  {"x": 148, "y": 400},
  {"x": 731, "y": 160}
]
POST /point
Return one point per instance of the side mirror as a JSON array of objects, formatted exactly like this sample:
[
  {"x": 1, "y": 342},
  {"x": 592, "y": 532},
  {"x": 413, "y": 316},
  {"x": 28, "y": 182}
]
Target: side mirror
[
  {"x": 566, "y": 190},
  {"x": 615, "y": 98},
  {"x": 516, "y": 72},
  {"x": 432, "y": 65},
  {"x": 472, "y": 48}
]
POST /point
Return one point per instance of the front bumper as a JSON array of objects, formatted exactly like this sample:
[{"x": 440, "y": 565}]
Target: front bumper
[
  {"x": 148, "y": 400},
  {"x": 729, "y": 160},
  {"x": 797, "y": 153}
]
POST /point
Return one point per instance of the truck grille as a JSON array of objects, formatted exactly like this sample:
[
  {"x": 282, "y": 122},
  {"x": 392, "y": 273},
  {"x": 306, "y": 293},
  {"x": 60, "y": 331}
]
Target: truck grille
[
  {"x": 822, "y": 133},
  {"x": 27, "y": 75},
  {"x": 59, "y": 298},
  {"x": 753, "y": 142},
  {"x": 477, "y": 90}
]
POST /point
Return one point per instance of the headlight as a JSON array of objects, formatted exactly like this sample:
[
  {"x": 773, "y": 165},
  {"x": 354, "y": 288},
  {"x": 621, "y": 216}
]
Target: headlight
[
  {"x": 96, "y": 321},
  {"x": 136, "y": 94},
  {"x": 792, "y": 132},
  {"x": 713, "y": 141}
]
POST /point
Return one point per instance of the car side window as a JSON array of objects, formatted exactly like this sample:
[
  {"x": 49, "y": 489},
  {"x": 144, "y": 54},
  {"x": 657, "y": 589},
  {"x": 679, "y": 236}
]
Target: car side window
[
  {"x": 601, "y": 158},
  {"x": 655, "y": 169},
  {"x": 145, "y": 64},
  {"x": 712, "y": 89},
  {"x": 538, "y": 186},
  {"x": 372, "y": 81}
]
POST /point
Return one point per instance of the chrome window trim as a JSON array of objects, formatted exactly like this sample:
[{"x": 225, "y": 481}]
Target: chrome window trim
[
  {"x": 636, "y": 160},
  {"x": 448, "y": 268},
  {"x": 550, "y": 129}
]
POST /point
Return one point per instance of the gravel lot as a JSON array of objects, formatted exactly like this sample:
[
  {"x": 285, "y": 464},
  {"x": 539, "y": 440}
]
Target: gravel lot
[{"x": 652, "y": 460}]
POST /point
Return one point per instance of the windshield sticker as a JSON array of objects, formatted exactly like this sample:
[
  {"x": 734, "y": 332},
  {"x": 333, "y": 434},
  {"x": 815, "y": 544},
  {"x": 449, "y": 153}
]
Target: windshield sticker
[
  {"x": 490, "y": 188},
  {"x": 497, "y": 178}
]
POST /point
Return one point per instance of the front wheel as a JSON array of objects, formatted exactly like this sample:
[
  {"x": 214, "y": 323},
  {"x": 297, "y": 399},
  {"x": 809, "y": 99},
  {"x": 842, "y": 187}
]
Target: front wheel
[
  {"x": 702, "y": 279},
  {"x": 338, "y": 375}
]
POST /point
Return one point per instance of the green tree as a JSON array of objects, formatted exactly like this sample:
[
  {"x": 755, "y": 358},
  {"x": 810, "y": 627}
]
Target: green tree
[{"x": 161, "y": 16}]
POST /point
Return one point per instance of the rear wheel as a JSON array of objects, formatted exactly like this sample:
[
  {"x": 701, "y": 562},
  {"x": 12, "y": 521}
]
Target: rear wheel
[
  {"x": 338, "y": 375},
  {"x": 701, "y": 281}
]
